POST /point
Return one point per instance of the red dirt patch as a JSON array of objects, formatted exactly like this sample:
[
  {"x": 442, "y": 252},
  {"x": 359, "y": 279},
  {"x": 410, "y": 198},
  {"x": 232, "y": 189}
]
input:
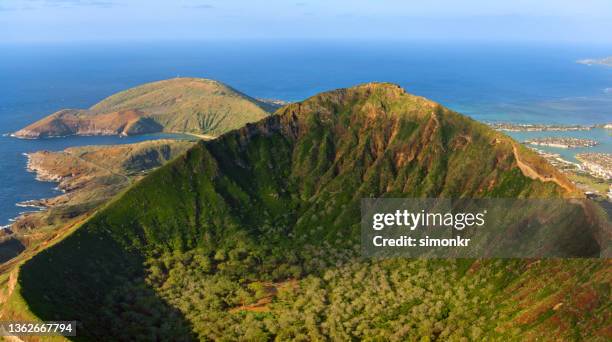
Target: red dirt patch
[{"x": 272, "y": 289}]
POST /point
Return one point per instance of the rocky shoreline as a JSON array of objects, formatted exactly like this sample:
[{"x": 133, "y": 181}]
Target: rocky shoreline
[
  {"x": 87, "y": 176},
  {"x": 31, "y": 135},
  {"x": 41, "y": 175}
]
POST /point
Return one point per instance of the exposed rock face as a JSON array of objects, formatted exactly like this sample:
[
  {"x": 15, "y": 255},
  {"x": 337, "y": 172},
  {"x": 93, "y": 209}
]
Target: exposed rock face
[
  {"x": 80, "y": 122},
  {"x": 182, "y": 105}
]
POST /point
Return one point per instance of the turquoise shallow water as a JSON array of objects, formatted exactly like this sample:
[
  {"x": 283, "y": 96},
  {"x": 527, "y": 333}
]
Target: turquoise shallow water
[
  {"x": 603, "y": 136},
  {"x": 493, "y": 82}
]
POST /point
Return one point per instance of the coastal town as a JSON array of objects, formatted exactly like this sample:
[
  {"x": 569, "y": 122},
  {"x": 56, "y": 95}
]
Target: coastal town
[
  {"x": 598, "y": 164},
  {"x": 562, "y": 142},
  {"x": 518, "y": 127},
  {"x": 514, "y": 127},
  {"x": 593, "y": 173}
]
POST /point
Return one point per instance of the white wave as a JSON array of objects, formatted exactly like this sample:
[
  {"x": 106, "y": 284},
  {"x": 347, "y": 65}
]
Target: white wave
[{"x": 28, "y": 205}]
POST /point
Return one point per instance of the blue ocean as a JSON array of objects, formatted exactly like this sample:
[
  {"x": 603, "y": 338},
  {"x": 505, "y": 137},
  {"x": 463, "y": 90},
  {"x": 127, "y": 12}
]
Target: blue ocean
[{"x": 522, "y": 83}]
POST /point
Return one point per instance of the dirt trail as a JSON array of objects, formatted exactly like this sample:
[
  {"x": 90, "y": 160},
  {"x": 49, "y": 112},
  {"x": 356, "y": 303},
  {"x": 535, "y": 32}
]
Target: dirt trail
[
  {"x": 533, "y": 174},
  {"x": 272, "y": 289},
  {"x": 12, "y": 266},
  {"x": 3, "y": 298},
  {"x": 106, "y": 169},
  {"x": 10, "y": 287}
]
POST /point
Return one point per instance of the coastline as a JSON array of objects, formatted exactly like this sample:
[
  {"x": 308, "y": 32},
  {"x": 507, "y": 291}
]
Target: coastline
[
  {"x": 562, "y": 142},
  {"x": 87, "y": 175},
  {"x": 119, "y": 135},
  {"x": 41, "y": 174},
  {"x": 39, "y": 204},
  {"x": 562, "y": 145},
  {"x": 21, "y": 187},
  {"x": 508, "y": 126}
]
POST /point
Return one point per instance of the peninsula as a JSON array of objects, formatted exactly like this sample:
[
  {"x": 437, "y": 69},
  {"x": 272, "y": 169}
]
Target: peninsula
[
  {"x": 181, "y": 105},
  {"x": 514, "y": 127},
  {"x": 562, "y": 142}
]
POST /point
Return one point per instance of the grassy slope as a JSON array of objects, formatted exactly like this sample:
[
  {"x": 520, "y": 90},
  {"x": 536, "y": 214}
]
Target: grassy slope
[
  {"x": 97, "y": 173},
  {"x": 290, "y": 180},
  {"x": 188, "y": 105}
]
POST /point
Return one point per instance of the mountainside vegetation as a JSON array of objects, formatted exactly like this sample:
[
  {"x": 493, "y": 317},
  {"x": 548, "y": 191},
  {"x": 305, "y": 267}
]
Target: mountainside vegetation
[
  {"x": 255, "y": 236},
  {"x": 180, "y": 105}
]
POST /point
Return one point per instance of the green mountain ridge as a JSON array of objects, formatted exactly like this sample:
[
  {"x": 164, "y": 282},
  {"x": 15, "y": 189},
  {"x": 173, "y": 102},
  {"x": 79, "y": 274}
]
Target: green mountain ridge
[
  {"x": 180, "y": 105},
  {"x": 254, "y": 236}
]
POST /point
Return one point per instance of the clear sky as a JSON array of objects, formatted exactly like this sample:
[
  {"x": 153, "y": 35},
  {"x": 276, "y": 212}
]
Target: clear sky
[{"x": 582, "y": 21}]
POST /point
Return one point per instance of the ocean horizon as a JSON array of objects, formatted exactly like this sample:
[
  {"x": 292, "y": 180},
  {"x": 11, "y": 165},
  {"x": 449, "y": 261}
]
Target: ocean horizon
[{"x": 520, "y": 83}]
